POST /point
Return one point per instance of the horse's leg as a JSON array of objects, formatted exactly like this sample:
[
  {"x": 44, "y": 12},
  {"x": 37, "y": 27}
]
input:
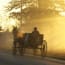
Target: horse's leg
[
  {"x": 21, "y": 49},
  {"x": 14, "y": 47},
  {"x": 34, "y": 50}
]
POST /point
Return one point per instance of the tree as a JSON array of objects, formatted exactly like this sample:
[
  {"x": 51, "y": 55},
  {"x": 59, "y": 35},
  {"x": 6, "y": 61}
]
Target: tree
[
  {"x": 25, "y": 7},
  {"x": 29, "y": 9}
]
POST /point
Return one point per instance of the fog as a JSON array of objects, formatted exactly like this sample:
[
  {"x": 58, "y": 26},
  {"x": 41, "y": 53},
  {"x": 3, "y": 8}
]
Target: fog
[
  {"x": 53, "y": 29},
  {"x": 51, "y": 25}
]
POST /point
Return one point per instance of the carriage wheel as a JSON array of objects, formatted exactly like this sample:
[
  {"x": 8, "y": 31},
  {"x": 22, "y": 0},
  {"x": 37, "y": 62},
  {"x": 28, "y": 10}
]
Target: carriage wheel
[{"x": 44, "y": 48}]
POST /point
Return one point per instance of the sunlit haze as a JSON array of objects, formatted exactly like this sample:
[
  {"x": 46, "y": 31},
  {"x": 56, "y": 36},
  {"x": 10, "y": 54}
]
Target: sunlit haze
[
  {"x": 3, "y": 3},
  {"x": 53, "y": 27},
  {"x": 5, "y": 22}
]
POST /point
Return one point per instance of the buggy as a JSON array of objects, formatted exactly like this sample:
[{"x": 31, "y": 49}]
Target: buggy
[{"x": 27, "y": 41}]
